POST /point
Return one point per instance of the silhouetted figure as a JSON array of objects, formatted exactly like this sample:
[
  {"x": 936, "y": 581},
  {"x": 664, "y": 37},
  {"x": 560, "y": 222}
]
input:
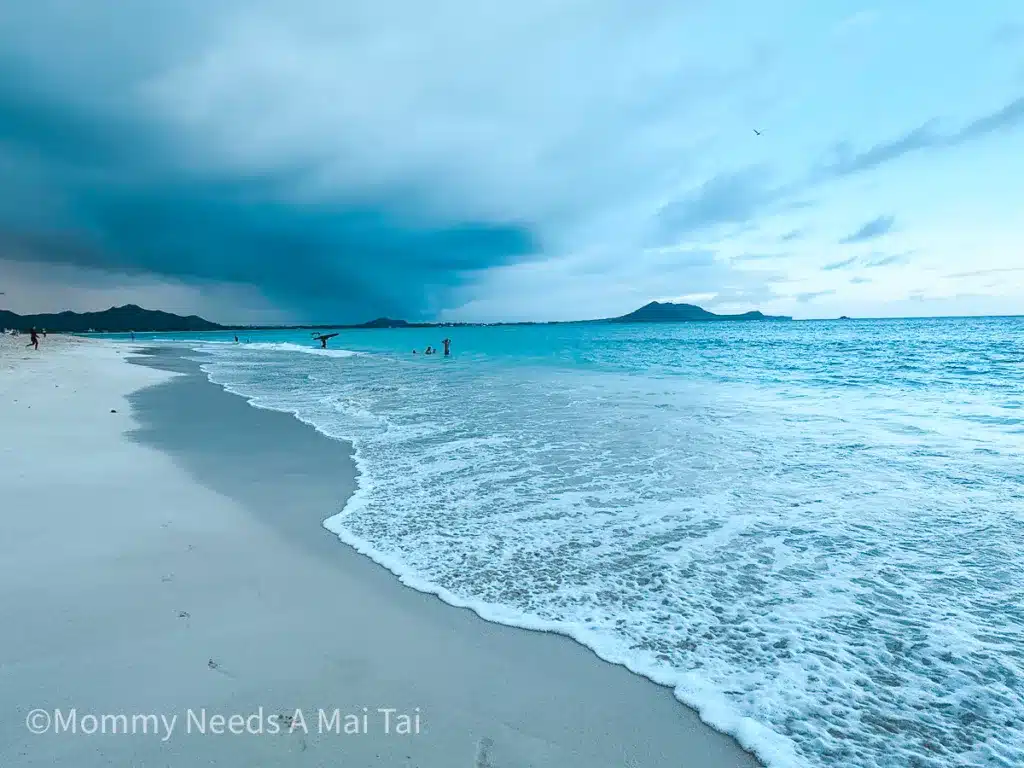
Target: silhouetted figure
[
  {"x": 428, "y": 351},
  {"x": 322, "y": 338},
  {"x": 447, "y": 346},
  {"x": 236, "y": 339},
  {"x": 34, "y": 339},
  {"x": 133, "y": 335}
]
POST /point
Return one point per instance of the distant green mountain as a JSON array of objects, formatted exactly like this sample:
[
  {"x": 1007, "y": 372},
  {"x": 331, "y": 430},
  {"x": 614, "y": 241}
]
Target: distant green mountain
[
  {"x": 383, "y": 322},
  {"x": 114, "y": 320},
  {"x": 667, "y": 312},
  {"x": 131, "y": 317}
]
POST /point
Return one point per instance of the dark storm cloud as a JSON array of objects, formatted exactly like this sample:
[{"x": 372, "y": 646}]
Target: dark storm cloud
[{"x": 124, "y": 205}]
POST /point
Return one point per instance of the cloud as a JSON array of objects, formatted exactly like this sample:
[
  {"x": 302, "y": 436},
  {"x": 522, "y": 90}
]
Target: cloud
[
  {"x": 759, "y": 257},
  {"x": 843, "y": 264},
  {"x": 884, "y": 260},
  {"x": 1008, "y": 34},
  {"x": 846, "y": 161},
  {"x": 984, "y": 272},
  {"x": 1009, "y": 117},
  {"x": 857, "y": 21},
  {"x": 870, "y": 230},
  {"x": 739, "y": 197},
  {"x": 46, "y": 287},
  {"x": 810, "y": 296},
  {"x": 345, "y": 160},
  {"x": 727, "y": 198}
]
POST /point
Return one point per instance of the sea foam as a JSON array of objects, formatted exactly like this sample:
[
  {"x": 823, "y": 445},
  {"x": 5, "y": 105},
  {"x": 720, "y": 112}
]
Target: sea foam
[{"x": 825, "y": 566}]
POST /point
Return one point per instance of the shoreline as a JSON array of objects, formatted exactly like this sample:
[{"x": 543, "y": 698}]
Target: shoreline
[{"x": 282, "y": 611}]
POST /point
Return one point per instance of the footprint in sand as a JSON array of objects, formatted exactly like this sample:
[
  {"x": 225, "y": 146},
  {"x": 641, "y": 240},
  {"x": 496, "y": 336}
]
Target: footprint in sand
[
  {"x": 215, "y": 666},
  {"x": 483, "y": 754},
  {"x": 288, "y": 721}
]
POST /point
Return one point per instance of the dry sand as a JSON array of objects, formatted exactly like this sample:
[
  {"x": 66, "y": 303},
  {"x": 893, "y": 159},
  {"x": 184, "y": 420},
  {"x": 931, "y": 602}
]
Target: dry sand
[{"x": 162, "y": 556}]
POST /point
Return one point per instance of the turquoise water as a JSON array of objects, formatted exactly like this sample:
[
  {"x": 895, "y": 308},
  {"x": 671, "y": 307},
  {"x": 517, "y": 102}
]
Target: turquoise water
[{"x": 813, "y": 531}]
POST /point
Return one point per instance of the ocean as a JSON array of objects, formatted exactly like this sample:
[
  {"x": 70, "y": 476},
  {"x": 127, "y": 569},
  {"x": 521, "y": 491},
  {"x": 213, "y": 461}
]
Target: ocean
[{"x": 812, "y": 531}]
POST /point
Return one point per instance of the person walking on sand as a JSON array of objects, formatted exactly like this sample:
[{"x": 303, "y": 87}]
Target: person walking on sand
[{"x": 34, "y": 339}]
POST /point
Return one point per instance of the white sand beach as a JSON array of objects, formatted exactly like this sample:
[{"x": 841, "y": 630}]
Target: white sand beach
[{"x": 162, "y": 558}]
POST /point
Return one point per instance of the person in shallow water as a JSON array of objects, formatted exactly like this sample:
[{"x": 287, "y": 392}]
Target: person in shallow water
[
  {"x": 447, "y": 346},
  {"x": 322, "y": 338},
  {"x": 428, "y": 351}
]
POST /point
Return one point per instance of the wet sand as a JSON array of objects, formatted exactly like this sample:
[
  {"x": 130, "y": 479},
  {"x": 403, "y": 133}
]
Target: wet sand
[{"x": 169, "y": 559}]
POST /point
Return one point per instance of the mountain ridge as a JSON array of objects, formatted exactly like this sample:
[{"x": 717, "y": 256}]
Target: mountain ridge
[{"x": 131, "y": 317}]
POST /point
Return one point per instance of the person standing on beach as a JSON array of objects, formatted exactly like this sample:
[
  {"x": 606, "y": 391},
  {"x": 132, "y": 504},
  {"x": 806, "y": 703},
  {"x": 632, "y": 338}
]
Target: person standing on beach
[
  {"x": 447, "y": 346},
  {"x": 34, "y": 339},
  {"x": 322, "y": 338}
]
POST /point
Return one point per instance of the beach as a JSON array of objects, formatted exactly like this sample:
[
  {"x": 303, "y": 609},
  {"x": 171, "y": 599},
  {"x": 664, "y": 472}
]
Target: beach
[{"x": 165, "y": 571}]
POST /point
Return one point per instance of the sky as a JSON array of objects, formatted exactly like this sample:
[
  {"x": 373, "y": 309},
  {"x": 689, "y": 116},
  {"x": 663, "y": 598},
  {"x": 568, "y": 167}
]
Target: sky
[{"x": 467, "y": 160}]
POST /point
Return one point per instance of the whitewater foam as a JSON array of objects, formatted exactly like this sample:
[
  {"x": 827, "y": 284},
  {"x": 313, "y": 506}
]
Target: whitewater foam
[
  {"x": 829, "y": 577},
  {"x": 287, "y": 346}
]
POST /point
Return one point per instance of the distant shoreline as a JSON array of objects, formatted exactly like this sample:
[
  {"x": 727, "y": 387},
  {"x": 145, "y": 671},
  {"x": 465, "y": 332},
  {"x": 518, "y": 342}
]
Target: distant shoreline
[{"x": 132, "y": 318}]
